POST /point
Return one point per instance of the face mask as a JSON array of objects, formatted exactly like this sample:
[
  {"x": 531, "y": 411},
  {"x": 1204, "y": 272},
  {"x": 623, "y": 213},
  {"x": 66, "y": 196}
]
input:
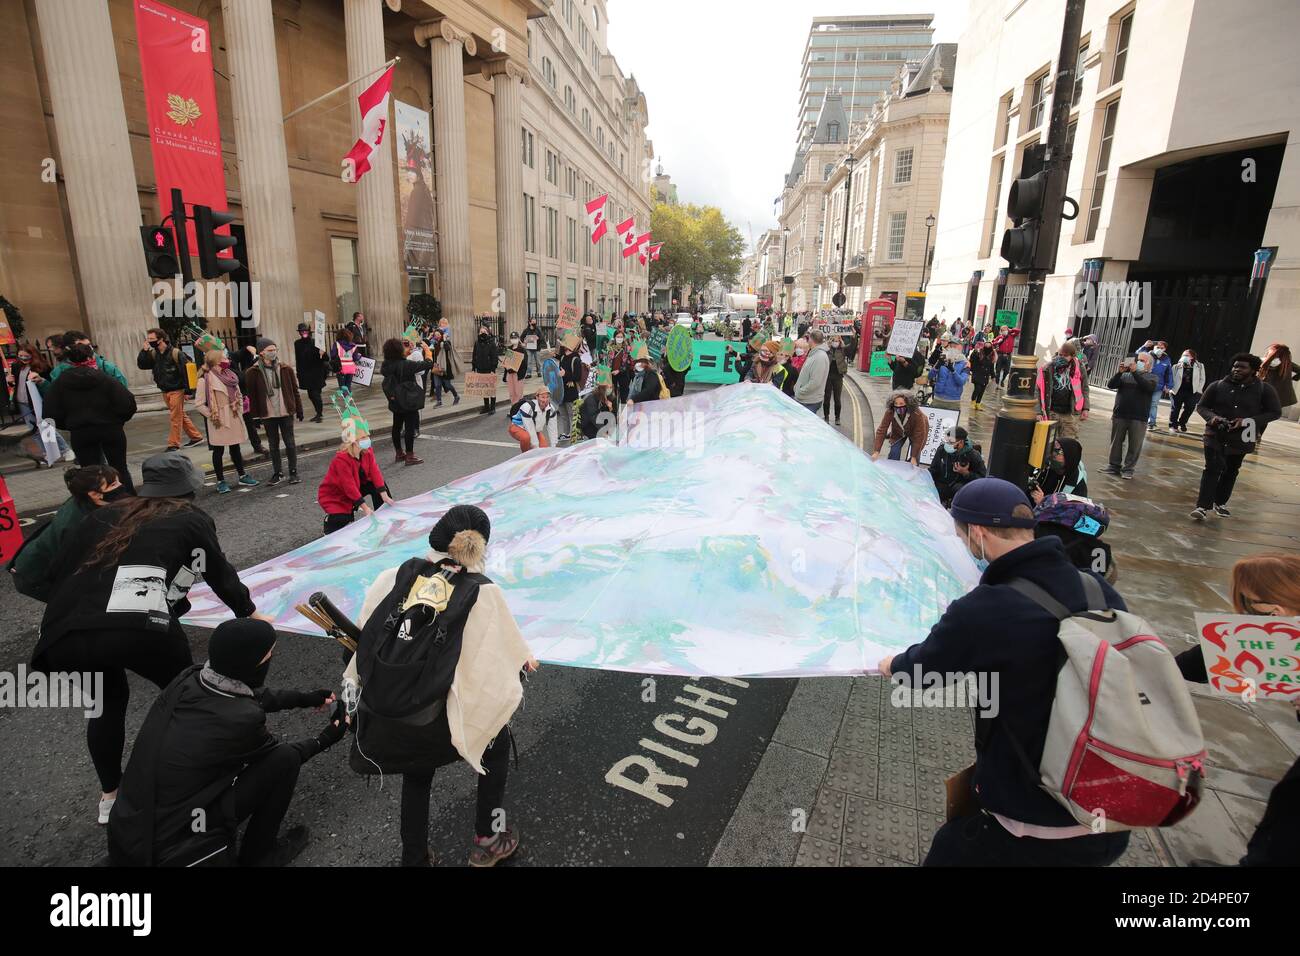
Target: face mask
[
  {"x": 618, "y": 340},
  {"x": 303, "y": 334},
  {"x": 949, "y": 447},
  {"x": 224, "y": 363},
  {"x": 799, "y": 351},
  {"x": 1275, "y": 363},
  {"x": 1158, "y": 352},
  {"x": 364, "y": 443},
  {"x": 981, "y": 562},
  {"x": 1186, "y": 360},
  {"x": 641, "y": 366},
  {"x": 117, "y": 494}
]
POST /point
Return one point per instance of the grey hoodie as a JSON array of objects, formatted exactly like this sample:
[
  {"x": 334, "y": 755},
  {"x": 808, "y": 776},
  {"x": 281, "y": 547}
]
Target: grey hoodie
[{"x": 811, "y": 386}]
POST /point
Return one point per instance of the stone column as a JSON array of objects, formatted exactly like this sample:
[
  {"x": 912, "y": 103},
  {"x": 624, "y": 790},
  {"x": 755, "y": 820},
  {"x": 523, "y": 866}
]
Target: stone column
[
  {"x": 94, "y": 156},
  {"x": 507, "y": 81},
  {"x": 265, "y": 198},
  {"x": 378, "y": 257},
  {"x": 448, "y": 45}
]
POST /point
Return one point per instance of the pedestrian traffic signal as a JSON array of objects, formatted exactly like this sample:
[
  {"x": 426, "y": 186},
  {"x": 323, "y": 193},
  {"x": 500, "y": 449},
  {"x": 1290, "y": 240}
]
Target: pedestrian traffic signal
[
  {"x": 160, "y": 252},
  {"x": 1020, "y": 245},
  {"x": 206, "y": 223}
]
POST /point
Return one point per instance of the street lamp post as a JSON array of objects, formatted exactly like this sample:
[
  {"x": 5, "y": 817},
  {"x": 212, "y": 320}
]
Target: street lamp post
[
  {"x": 925, "y": 263},
  {"x": 839, "y": 298}
]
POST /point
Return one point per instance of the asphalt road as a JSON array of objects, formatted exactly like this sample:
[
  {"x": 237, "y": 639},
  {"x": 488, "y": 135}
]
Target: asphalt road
[{"x": 575, "y": 726}]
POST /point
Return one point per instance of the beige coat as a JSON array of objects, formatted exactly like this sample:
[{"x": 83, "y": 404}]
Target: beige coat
[
  {"x": 224, "y": 412},
  {"x": 485, "y": 691}
]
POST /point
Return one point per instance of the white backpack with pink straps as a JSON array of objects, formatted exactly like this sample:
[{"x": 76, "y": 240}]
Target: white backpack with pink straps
[{"x": 1124, "y": 748}]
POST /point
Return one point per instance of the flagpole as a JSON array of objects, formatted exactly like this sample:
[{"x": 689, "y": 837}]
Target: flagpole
[{"x": 325, "y": 96}]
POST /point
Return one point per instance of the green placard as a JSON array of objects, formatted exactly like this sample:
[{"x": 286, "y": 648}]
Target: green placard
[
  {"x": 880, "y": 365},
  {"x": 712, "y": 365},
  {"x": 658, "y": 339},
  {"x": 679, "y": 348},
  {"x": 1006, "y": 317}
]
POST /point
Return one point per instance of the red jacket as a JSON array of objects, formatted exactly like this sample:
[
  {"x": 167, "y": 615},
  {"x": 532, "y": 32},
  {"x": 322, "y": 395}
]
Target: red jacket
[
  {"x": 1006, "y": 344},
  {"x": 340, "y": 490}
]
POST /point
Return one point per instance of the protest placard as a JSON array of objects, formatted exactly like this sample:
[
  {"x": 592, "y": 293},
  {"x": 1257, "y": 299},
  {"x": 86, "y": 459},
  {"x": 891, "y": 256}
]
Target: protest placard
[
  {"x": 658, "y": 339},
  {"x": 11, "y": 533},
  {"x": 552, "y": 380},
  {"x": 903, "y": 339},
  {"x": 940, "y": 420},
  {"x": 880, "y": 366},
  {"x": 567, "y": 321},
  {"x": 318, "y": 330},
  {"x": 679, "y": 348},
  {"x": 512, "y": 360},
  {"x": 365, "y": 370},
  {"x": 1006, "y": 317},
  {"x": 480, "y": 385},
  {"x": 713, "y": 363},
  {"x": 1251, "y": 656}
]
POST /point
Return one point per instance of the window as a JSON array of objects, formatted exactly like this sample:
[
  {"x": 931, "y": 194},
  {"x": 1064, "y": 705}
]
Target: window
[
  {"x": 1103, "y": 161},
  {"x": 903, "y": 166},
  {"x": 552, "y": 233},
  {"x": 530, "y": 223},
  {"x": 571, "y": 291},
  {"x": 530, "y": 282},
  {"x": 1005, "y": 109},
  {"x": 826, "y": 172},
  {"x": 571, "y": 182},
  {"x": 1121, "y": 49},
  {"x": 1069, "y": 145},
  {"x": 586, "y": 119},
  {"x": 1078, "y": 76},
  {"x": 586, "y": 245},
  {"x": 570, "y": 103},
  {"x": 897, "y": 231},
  {"x": 833, "y": 132},
  {"x": 595, "y": 16},
  {"x": 573, "y": 239},
  {"x": 548, "y": 72},
  {"x": 528, "y": 148},
  {"x": 995, "y": 206},
  {"x": 600, "y": 136},
  {"x": 347, "y": 277},
  {"x": 1037, "y": 103},
  {"x": 552, "y": 168},
  {"x": 552, "y": 295}
]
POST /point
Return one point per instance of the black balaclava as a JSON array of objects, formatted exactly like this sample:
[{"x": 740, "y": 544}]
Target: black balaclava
[
  {"x": 237, "y": 648},
  {"x": 459, "y": 518}
]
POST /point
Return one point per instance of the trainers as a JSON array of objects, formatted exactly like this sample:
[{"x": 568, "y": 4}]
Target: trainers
[
  {"x": 248, "y": 480},
  {"x": 287, "y": 847},
  {"x": 223, "y": 488},
  {"x": 193, "y": 441},
  {"x": 69, "y": 455},
  {"x": 294, "y": 479},
  {"x": 493, "y": 851},
  {"x": 275, "y": 479},
  {"x": 455, "y": 399},
  {"x": 1110, "y": 471},
  {"x": 105, "y": 808},
  {"x": 1198, "y": 514},
  {"x": 1126, "y": 474},
  {"x": 1222, "y": 512}
]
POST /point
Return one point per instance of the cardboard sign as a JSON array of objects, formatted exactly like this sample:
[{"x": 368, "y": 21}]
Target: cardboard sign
[
  {"x": 571, "y": 341},
  {"x": 828, "y": 329},
  {"x": 318, "y": 331},
  {"x": 679, "y": 349},
  {"x": 11, "y": 533},
  {"x": 713, "y": 364},
  {"x": 365, "y": 370},
  {"x": 530, "y": 342},
  {"x": 1251, "y": 656},
  {"x": 568, "y": 319},
  {"x": 513, "y": 361},
  {"x": 6, "y": 333},
  {"x": 903, "y": 339},
  {"x": 480, "y": 385},
  {"x": 1006, "y": 317},
  {"x": 552, "y": 380},
  {"x": 602, "y": 329},
  {"x": 880, "y": 366},
  {"x": 940, "y": 419}
]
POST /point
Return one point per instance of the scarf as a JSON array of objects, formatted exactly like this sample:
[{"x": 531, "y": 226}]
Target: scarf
[
  {"x": 223, "y": 684},
  {"x": 272, "y": 373},
  {"x": 763, "y": 371},
  {"x": 901, "y": 421},
  {"x": 228, "y": 378}
]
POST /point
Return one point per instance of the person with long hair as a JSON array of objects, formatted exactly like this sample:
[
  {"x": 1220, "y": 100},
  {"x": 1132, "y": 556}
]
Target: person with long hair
[
  {"x": 405, "y": 392},
  {"x": 1277, "y": 369},
  {"x": 446, "y": 366},
  {"x": 981, "y": 371},
  {"x": 93, "y": 406},
  {"x": 905, "y": 428},
  {"x": 218, "y": 399},
  {"x": 32, "y": 367},
  {"x": 120, "y": 588}
]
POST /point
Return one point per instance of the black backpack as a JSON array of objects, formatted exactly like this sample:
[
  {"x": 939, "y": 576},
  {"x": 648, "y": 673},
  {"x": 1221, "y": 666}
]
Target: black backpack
[
  {"x": 406, "y": 394},
  {"x": 406, "y": 662}
]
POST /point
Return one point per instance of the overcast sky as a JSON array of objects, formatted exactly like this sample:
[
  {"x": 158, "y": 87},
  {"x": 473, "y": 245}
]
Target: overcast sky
[{"x": 721, "y": 78}]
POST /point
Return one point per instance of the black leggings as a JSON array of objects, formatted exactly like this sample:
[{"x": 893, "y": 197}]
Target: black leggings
[
  {"x": 408, "y": 422},
  {"x": 1181, "y": 406},
  {"x": 1003, "y": 367},
  {"x": 157, "y": 657},
  {"x": 416, "y": 788},
  {"x": 236, "y": 459},
  {"x": 834, "y": 390},
  {"x": 977, "y": 394},
  {"x": 261, "y": 795},
  {"x": 103, "y": 444},
  {"x": 314, "y": 395}
]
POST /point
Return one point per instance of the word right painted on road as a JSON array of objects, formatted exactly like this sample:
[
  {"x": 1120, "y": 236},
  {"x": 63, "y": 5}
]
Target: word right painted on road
[{"x": 641, "y": 773}]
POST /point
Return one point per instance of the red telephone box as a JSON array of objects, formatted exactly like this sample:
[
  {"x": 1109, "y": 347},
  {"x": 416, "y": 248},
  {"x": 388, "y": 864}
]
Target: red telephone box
[{"x": 878, "y": 313}]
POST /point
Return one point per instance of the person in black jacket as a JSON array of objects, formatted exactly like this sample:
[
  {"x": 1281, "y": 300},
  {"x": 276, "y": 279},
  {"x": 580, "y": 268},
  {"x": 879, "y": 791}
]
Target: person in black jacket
[
  {"x": 1133, "y": 385},
  {"x": 173, "y": 380},
  {"x": 93, "y": 407},
  {"x": 485, "y": 361},
  {"x": 405, "y": 392},
  {"x": 981, "y": 370},
  {"x": 955, "y": 464},
  {"x": 310, "y": 362},
  {"x": 598, "y": 413},
  {"x": 1236, "y": 409},
  {"x": 120, "y": 588},
  {"x": 572, "y": 372},
  {"x": 204, "y": 748},
  {"x": 906, "y": 370},
  {"x": 995, "y": 629},
  {"x": 645, "y": 385}
]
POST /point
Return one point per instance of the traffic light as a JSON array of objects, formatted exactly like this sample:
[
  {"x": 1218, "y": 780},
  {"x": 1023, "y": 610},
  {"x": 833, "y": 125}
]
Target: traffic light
[
  {"x": 206, "y": 223},
  {"x": 160, "y": 252},
  {"x": 1025, "y": 202}
]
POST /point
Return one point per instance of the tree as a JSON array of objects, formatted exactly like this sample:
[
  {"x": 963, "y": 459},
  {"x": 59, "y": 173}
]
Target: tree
[{"x": 700, "y": 246}]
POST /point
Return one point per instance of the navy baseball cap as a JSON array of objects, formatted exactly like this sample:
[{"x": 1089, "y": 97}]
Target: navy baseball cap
[{"x": 989, "y": 502}]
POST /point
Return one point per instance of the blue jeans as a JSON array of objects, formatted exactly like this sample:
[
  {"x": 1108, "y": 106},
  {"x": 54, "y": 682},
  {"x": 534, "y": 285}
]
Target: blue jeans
[
  {"x": 1155, "y": 408},
  {"x": 534, "y": 367},
  {"x": 814, "y": 407}
]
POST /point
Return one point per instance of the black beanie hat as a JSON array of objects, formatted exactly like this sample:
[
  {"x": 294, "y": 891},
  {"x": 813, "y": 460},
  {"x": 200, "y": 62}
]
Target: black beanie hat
[
  {"x": 459, "y": 518},
  {"x": 237, "y": 648}
]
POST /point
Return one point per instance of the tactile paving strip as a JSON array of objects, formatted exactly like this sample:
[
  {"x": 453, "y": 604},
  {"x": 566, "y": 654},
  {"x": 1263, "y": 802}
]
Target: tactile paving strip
[
  {"x": 896, "y": 783},
  {"x": 882, "y": 828},
  {"x": 931, "y": 789},
  {"x": 852, "y": 772},
  {"x": 859, "y": 733},
  {"x": 854, "y": 856},
  {"x": 814, "y": 852},
  {"x": 927, "y": 825},
  {"x": 827, "y": 820}
]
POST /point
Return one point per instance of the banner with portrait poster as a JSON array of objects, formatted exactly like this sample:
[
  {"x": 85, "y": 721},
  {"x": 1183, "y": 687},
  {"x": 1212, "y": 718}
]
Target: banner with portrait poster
[
  {"x": 415, "y": 187},
  {"x": 940, "y": 420}
]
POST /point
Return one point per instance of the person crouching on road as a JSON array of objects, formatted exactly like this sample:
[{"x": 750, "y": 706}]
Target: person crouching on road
[
  {"x": 904, "y": 427},
  {"x": 1010, "y": 819},
  {"x": 443, "y": 605},
  {"x": 218, "y": 399},
  {"x": 353, "y": 474},
  {"x": 955, "y": 463},
  {"x": 533, "y": 422},
  {"x": 204, "y": 746}
]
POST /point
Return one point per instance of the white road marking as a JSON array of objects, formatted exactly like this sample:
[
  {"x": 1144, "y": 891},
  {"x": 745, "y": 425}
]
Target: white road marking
[{"x": 471, "y": 441}]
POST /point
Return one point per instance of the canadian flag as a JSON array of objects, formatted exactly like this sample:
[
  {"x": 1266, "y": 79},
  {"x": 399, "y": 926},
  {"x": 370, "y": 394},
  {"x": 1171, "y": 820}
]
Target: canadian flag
[
  {"x": 373, "y": 103},
  {"x": 632, "y": 243},
  {"x": 626, "y": 232},
  {"x": 596, "y": 217},
  {"x": 644, "y": 256},
  {"x": 654, "y": 251}
]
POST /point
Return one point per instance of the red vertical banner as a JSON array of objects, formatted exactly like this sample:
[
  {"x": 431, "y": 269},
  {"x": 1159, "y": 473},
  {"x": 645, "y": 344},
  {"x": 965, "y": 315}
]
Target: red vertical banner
[
  {"x": 181, "y": 100},
  {"x": 11, "y": 534}
]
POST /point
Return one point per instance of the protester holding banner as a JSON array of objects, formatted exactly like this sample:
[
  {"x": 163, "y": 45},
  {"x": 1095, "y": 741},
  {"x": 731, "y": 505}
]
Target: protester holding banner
[
  {"x": 218, "y": 399},
  {"x": 1005, "y": 346},
  {"x": 310, "y": 362},
  {"x": 572, "y": 373},
  {"x": 93, "y": 407},
  {"x": 839, "y": 367},
  {"x": 511, "y": 375},
  {"x": 906, "y": 370},
  {"x": 26, "y": 374},
  {"x": 352, "y": 476},
  {"x": 646, "y": 385},
  {"x": 533, "y": 341},
  {"x": 446, "y": 366},
  {"x": 904, "y": 427},
  {"x": 484, "y": 361},
  {"x": 599, "y": 410},
  {"x": 273, "y": 400}
]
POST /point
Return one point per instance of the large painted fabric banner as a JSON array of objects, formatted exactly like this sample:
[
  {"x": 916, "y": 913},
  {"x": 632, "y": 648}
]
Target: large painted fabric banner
[{"x": 725, "y": 532}]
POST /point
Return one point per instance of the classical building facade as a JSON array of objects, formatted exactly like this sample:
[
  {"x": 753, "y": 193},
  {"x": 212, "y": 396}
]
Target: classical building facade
[
  {"x": 1180, "y": 160},
  {"x": 802, "y": 199},
  {"x": 472, "y": 70},
  {"x": 892, "y": 188}
]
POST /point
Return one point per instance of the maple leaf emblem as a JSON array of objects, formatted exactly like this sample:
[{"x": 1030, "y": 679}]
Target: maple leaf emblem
[{"x": 182, "y": 111}]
